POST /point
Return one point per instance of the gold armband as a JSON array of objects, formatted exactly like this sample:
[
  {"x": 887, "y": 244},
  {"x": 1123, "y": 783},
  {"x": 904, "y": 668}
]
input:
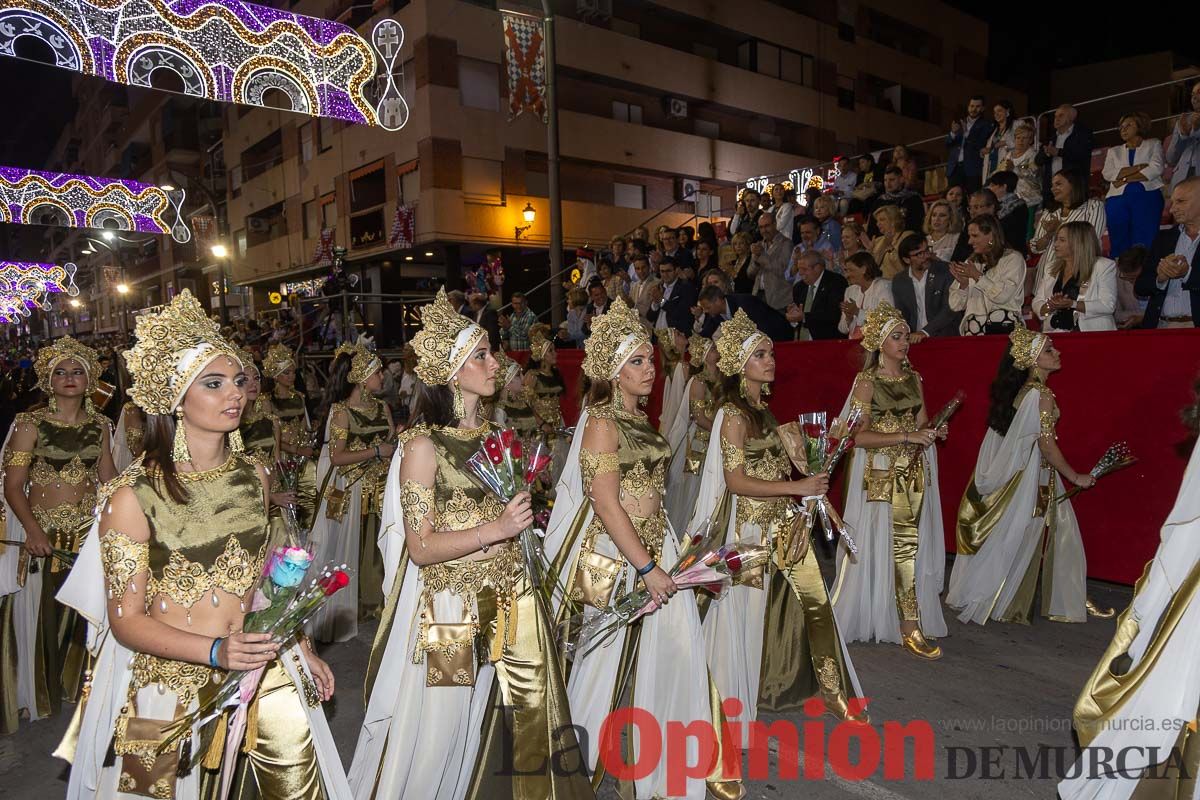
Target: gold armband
[
  {"x": 1047, "y": 424},
  {"x": 123, "y": 558},
  {"x": 731, "y": 457},
  {"x": 416, "y": 500},
  {"x": 17, "y": 458},
  {"x": 592, "y": 464}
]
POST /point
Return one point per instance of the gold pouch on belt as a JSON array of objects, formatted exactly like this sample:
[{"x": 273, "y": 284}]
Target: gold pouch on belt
[
  {"x": 878, "y": 485},
  {"x": 449, "y": 649},
  {"x": 595, "y": 576},
  {"x": 144, "y": 771},
  {"x": 335, "y": 504}
]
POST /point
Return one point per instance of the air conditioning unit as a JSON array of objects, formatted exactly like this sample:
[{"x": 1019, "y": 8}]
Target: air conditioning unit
[
  {"x": 599, "y": 9},
  {"x": 257, "y": 224},
  {"x": 675, "y": 107},
  {"x": 688, "y": 189}
]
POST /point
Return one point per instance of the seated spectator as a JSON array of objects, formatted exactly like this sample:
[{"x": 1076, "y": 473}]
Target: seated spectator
[
  {"x": 903, "y": 160},
  {"x": 982, "y": 203},
  {"x": 785, "y": 207},
  {"x": 989, "y": 286},
  {"x": 1131, "y": 309},
  {"x": 745, "y": 214},
  {"x": 614, "y": 281},
  {"x": 843, "y": 185},
  {"x": 640, "y": 234},
  {"x": 868, "y": 288},
  {"x": 1184, "y": 152},
  {"x": 1070, "y": 149},
  {"x": 1068, "y": 190},
  {"x": 672, "y": 300},
  {"x": 964, "y": 146},
  {"x": 1133, "y": 169},
  {"x": 687, "y": 238},
  {"x": 706, "y": 258},
  {"x": 597, "y": 303},
  {"x": 824, "y": 211},
  {"x": 714, "y": 277},
  {"x": 869, "y": 181},
  {"x": 1001, "y": 141},
  {"x": 816, "y": 300},
  {"x": 854, "y": 240},
  {"x": 641, "y": 293},
  {"x": 943, "y": 224},
  {"x": 517, "y": 324},
  {"x": 810, "y": 239},
  {"x": 1081, "y": 293},
  {"x": 889, "y": 223},
  {"x": 575, "y": 331},
  {"x": 718, "y": 307},
  {"x": 922, "y": 292},
  {"x": 894, "y": 194},
  {"x": 705, "y": 232},
  {"x": 1023, "y": 161},
  {"x": 771, "y": 257},
  {"x": 957, "y": 197},
  {"x": 743, "y": 281},
  {"x": 1171, "y": 277},
  {"x": 1010, "y": 209}
]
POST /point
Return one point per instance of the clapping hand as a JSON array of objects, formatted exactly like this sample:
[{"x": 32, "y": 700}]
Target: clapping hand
[
  {"x": 849, "y": 309},
  {"x": 795, "y": 314},
  {"x": 1171, "y": 267}
]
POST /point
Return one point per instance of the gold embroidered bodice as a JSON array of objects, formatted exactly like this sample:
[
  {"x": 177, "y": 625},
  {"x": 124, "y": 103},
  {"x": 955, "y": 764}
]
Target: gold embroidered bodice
[
  {"x": 367, "y": 427},
  {"x": 545, "y": 398},
  {"x": 895, "y": 402},
  {"x": 1047, "y": 420},
  {"x": 642, "y": 456},
  {"x": 763, "y": 457},
  {"x": 258, "y": 433},
  {"x": 215, "y": 541},
  {"x": 134, "y": 434},
  {"x": 293, "y": 425},
  {"x": 698, "y": 443},
  {"x": 517, "y": 413}
]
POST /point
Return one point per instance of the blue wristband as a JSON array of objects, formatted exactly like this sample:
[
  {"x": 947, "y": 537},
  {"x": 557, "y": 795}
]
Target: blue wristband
[
  {"x": 646, "y": 570},
  {"x": 212, "y": 653}
]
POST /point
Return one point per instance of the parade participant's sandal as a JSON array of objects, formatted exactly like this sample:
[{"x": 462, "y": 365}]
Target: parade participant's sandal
[
  {"x": 919, "y": 646},
  {"x": 1096, "y": 611}
]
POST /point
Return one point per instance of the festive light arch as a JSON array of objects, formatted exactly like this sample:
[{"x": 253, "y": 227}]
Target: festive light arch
[
  {"x": 27, "y": 285},
  {"x": 224, "y": 50},
  {"x": 89, "y": 202}
]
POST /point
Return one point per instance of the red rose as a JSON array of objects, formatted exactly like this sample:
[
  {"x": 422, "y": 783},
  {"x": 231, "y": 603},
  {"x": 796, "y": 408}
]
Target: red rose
[
  {"x": 491, "y": 446},
  {"x": 332, "y": 584},
  {"x": 515, "y": 449},
  {"x": 850, "y": 443},
  {"x": 830, "y": 445},
  {"x": 507, "y": 437},
  {"x": 734, "y": 561},
  {"x": 812, "y": 430}
]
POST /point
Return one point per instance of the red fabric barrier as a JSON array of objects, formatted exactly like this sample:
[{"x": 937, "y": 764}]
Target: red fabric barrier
[{"x": 1127, "y": 386}]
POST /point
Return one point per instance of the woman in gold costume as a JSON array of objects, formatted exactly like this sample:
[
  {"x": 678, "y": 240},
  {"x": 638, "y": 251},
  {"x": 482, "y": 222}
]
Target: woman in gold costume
[
  {"x": 510, "y": 408},
  {"x": 544, "y": 387},
  {"x": 260, "y": 429},
  {"x": 127, "y": 442},
  {"x": 462, "y": 619},
  {"x": 773, "y": 641},
  {"x": 890, "y": 591},
  {"x": 608, "y": 533},
  {"x": 296, "y": 437},
  {"x": 1151, "y": 670},
  {"x": 163, "y": 579},
  {"x": 360, "y": 438},
  {"x": 54, "y": 459},
  {"x": 1011, "y": 524},
  {"x": 690, "y": 432}
]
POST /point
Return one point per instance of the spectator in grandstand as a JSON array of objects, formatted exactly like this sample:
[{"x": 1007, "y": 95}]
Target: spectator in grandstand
[
  {"x": 1022, "y": 160},
  {"x": 615, "y": 281},
  {"x": 824, "y": 211},
  {"x": 1171, "y": 277},
  {"x": 1081, "y": 292},
  {"x": 718, "y": 306},
  {"x": 1001, "y": 142},
  {"x": 1011, "y": 209},
  {"x": 816, "y": 300},
  {"x": 617, "y": 253},
  {"x": 868, "y": 288},
  {"x": 889, "y": 221},
  {"x": 640, "y": 234},
  {"x": 705, "y": 232},
  {"x": 706, "y": 257},
  {"x": 458, "y": 301},
  {"x": 640, "y": 293},
  {"x": 964, "y": 146},
  {"x": 903, "y": 160},
  {"x": 1131, "y": 309},
  {"x": 597, "y": 304},
  {"x": 810, "y": 239},
  {"x": 668, "y": 242},
  {"x": 745, "y": 214},
  {"x": 575, "y": 331},
  {"x": 1070, "y": 148},
  {"x": 894, "y": 194},
  {"x": 943, "y": 224},
  {"x": 770, "y": 261},
  {"x": 869, "y": 179},
  {"x": 989, "y": 285},
  {"x": 957, "y": 197},
  {"x": 485, "y": 316},
  {"x": 1068, "y": 202},
  {"x": 743, "y": 281},
  {"x": 672, "y": 300},
  {"x": 1133, "y": 169},
  {"x": 517, "y": 324},
  {"x": 854, "y": 240},
  {"x": 785, "y": 207},
  {"x": 1184, "y": 152},
  {"x": 922, "y": 292}
]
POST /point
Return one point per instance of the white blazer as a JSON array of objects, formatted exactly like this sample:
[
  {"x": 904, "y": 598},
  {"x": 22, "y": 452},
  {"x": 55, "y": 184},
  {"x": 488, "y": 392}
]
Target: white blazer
[
  {"x": 1149, "y": 152},
  {"x": 1099, "y": 296}
]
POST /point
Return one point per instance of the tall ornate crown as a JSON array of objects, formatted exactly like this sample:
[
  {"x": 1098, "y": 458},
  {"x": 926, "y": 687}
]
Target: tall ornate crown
[
  {"x": 736, "y": 339},
  {"x": 66, "y": 348},
  {"x": 879, "y": 324},
  {"x": 277, "y": 360},
  {"x": 363, "y": 361},
  {"x": 172, "y": 347},
  {"x": 247, "y": 359},
  {"x": 508, "y": 368},
  {"x": 445, "y": 340},
  {"x": 1025, "y": 346},
  {"x": 698, "y": 347},
  {"x": 539, "y": 340},
  {"x": 615, "y": 335}
]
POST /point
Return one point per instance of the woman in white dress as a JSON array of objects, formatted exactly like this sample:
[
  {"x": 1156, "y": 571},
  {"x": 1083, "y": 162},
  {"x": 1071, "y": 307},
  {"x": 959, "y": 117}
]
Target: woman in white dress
[
  {"x": 890, "y": 591},
  {"x": 989, "y": 286},
  {"x": 689, "y": 435},
  {"x": 867, "y": 290},
  {"x": 1068, "y": 188},
  {"x": 1011, "y": 523},
  {"x": 1080, "y": 291},
  {"x": 943, "y": 224}
]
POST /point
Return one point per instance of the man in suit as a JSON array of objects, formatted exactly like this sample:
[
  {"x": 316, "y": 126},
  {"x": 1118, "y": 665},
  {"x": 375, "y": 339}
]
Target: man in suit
[
  {"x": 1171, "y": 276},
  {"x": 769, "y": 263},
  {"x": 968, "y": 136},
  {"x": 597, "y": 304},
  {"x": 672, "y": 300},
  {"x": 718, "y": 307},
  {"x": 458, "y": 301},
  {"x": 641, "y": 289},
  {"x": 671, "y": 249},
  {"x": 1070, "y": 148},
  {"x": 816, "y": 299},
  {"x": 486, "y": 317},
  {"x": 922, "y": 291}
]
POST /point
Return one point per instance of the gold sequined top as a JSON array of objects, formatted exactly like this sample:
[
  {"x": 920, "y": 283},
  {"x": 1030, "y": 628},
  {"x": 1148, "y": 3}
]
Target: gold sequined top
[
  {"x": 134, "y": 434},
  {"x": 895, "y": 406},
  {"x": 545, "y": 398},
  {"x": 642, "y": 456},
  {"x": 518, "y": 415},
  {"x": 1047, "y": 420},
  {"x": 368, "y": 427},
  {"x": 762, "y": 456},
  {"x": 698, "y": 443},
  {"x": 293, "y": 425},
  {"x": 258, "y": 433},
  {"x": 214, "y": 541}
]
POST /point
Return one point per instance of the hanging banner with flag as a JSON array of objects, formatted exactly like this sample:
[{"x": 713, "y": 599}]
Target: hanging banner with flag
[
  {"x": 525, "y": 63},
  {"x": 324, "y": 255},
  {"x": 404, "y": 227}
]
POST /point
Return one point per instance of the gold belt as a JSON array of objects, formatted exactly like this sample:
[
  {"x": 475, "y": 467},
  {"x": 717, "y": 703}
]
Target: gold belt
[
  {"x": 502, "y": 572},
  {"x": 761, "y": 512}
]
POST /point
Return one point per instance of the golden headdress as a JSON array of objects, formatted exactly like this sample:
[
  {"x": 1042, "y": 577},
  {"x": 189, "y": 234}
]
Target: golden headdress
[
  {"x": 1025, "y": 346},
  {"x": 736, "y": 339},
  {"x": 539, "y": 340},
  {"x": 879, "y": 324},
  {"x": 363, "y": 362},
  {"x": 445, "y": 340},
  {"x": 172, "y": 347},
  {"x": 277, "y": 360},
  {"x": 698, "y": 347},
  {"x": 247, "y": 359},
  {"x": 66, "y": 348},
  {"x": 508, "y": 368},
  {"x": 616, "y": 334}
]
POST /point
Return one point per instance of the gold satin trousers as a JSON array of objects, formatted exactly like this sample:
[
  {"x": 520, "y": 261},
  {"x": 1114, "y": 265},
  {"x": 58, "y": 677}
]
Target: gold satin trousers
[{"x": 908, "y": 495}]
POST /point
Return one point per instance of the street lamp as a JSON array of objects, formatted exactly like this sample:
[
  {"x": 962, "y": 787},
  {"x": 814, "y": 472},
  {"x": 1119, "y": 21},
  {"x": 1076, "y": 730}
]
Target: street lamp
[
  {"x": 75, "y": 303},
  {"x": 108, "y": 236},
  {"x": 529, "y": 213},
  {"x": 219, "y": 250},
  {"x": 122, "y": 288}
]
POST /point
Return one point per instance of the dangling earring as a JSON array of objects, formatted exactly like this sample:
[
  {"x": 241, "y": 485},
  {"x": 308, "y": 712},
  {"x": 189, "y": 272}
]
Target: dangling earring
[
  {"x": 89, "y": 406},
  {"x": 617, "y": 401},
  {"x": 766, "y": 390},
  {"x": 742, "y": 384},
  {"x": 53, "y": 404},
  {"x": 644, "y": 400},
  {"x": 460, "y": 408},
  {"x": 236, "y": 445},
  {"x": 179, "y": 448}
]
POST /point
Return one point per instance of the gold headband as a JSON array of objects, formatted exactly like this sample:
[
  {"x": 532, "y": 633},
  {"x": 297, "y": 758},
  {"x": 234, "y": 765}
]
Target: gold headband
[
  {"x": 277, "y": 360},
  {"x": 736, "y": 339},
  {"x": 879, "y": 324},
  {"x": 539, "y": 340},
  {"x": 698, "y": 347},
  {"x": 616, "y": 334},
  {"x": 247, "y": 359},
  {"x": 445, "y": 340},
  {"x": 1025, "y": 346},
  {"x": 172, "y": 347},
  {"x": 66, "y": 349},
  {"x": 363, "y": 362},
  {"x": 508, "y": 368}
]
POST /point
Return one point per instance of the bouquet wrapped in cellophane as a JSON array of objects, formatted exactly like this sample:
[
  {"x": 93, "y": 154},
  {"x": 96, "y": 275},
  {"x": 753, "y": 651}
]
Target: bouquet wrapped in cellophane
[
  {"x": 704, "y": 562},
  {"x": 1117, "y": 456},
  {"x": 815, "y": 446},
  {"x": 26, "y": 564},
  {"x": 288, "y": 469}
]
